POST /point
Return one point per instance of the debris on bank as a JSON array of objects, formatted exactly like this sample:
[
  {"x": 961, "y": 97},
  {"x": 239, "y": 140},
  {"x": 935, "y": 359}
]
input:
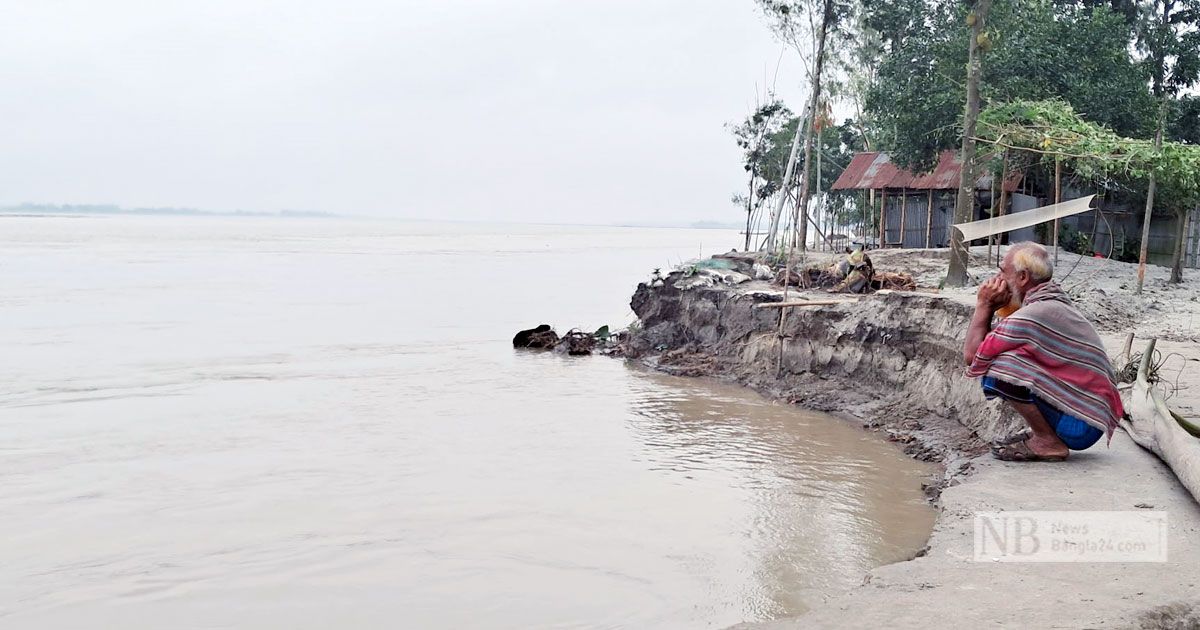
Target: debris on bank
[
  {"x": 852, "y": 272},
  {"x": 574, "y": 343},
  {"x": 543, "y": 338}
]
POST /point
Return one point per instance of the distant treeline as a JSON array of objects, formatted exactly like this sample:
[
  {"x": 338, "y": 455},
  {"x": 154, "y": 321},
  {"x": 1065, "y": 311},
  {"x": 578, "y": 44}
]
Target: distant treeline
[{"x": 49, "y": 208}]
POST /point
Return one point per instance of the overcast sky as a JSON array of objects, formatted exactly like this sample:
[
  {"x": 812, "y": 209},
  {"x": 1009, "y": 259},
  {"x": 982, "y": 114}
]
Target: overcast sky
[{"x": 524, "y": 110}]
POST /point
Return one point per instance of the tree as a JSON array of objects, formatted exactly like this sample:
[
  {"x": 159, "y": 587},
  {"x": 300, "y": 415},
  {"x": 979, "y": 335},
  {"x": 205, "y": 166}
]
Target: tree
[
  {"x": 798, "y": 22},
  {"x": 964, "y": 206},
  {"x": 828, "y": 17},
  {"x": 1184, "y": 125},
  {"x": 1168, "y": 34},
  {"x": 757, "y": 136},
  {"x": 1035, "y": 50}
]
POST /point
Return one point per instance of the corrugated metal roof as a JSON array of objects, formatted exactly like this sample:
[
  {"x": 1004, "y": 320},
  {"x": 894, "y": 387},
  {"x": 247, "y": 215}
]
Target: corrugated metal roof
[{"x": 875, "y": 170}]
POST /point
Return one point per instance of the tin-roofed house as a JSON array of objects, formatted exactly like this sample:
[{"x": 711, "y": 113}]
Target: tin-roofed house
[{"x": 918, "y": 209}]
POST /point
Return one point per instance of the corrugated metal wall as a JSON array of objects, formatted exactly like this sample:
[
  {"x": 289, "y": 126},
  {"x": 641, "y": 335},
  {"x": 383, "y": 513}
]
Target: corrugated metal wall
[
  {"x": 915, "y": 206},
  {"x": 1118, "y": 225},
  {"x": 1021, "y": 203},
  {"x": 1192, "y": 253},
  {"x": 891, "y": 234}
]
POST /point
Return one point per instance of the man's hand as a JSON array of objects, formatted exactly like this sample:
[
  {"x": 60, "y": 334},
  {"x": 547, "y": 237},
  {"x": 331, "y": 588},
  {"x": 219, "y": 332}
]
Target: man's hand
[{"x": 993, "y": 295}]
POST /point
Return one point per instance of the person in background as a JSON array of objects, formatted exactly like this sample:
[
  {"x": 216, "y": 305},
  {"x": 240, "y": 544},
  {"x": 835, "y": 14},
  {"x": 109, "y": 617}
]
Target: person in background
[{"x": 1044, "y": 359}]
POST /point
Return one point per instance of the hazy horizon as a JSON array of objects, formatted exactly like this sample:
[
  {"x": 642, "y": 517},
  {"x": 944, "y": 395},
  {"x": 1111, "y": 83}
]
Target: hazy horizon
[
  {"x": 84, "y": 210},
  {"x": 537, "y": 111}
]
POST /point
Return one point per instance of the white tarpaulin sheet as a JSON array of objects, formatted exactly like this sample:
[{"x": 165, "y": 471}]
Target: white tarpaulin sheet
[{"x": 1018, "y": 220}]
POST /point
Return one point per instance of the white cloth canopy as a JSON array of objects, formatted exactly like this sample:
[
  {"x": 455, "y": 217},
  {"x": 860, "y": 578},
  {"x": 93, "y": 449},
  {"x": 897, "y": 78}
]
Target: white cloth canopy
[{"x": 1018, "y": 220}]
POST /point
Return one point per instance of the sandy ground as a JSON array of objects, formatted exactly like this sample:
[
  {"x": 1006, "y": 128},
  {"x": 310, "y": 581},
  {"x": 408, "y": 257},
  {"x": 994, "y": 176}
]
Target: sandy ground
[
  {"x": 947, "y": 589},
  {"x": 1102, "y": 288}
]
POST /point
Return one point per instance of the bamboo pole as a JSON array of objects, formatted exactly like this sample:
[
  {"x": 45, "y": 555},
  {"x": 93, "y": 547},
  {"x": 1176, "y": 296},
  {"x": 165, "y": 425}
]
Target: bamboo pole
[
  {"x": 883, "y": 220},
  {"x": 903, "y": 214},
  {"x": 929, "y": 220},
  {"x": 1057, "y": 199},
  {"x": 777, "y": 213},
  {"x": 782, "y": 305},
  {"x": 820, "y": 206},
  {"x": 1003, "y": 198},
  {"x": 827, "y": 20},
  {"x": 1144, "y": 254},
  {"x": 868, "y": 219},
  {"x": 865, "y": 214},
  {"x": 992, "y": 215}
]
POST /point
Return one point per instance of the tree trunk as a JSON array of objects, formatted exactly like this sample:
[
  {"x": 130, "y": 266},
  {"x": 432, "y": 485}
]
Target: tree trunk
[
  {"x": 749, "y": 210},
  {"x": 1180, "y": 240},
  {"x": 1160, "y": 91},
  {"x": 1158, "y": 134},
  {"x": 777, "y": 213},
  {"x": 814, "y": 100},
  {"x": 820, "y": 199},
  {"x": 956, "y": 275}
]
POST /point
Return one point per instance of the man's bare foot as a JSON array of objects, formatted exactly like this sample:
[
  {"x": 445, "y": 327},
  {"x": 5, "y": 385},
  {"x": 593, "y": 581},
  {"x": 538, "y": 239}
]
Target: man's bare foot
[
  {"x": 1031, "y": 450},
  {"x": 1048, "y": 447}
]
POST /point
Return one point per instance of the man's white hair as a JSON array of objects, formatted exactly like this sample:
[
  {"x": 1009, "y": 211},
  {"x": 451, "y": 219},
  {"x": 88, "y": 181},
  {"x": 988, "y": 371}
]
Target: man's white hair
[{"x": 1031, "y": 257}]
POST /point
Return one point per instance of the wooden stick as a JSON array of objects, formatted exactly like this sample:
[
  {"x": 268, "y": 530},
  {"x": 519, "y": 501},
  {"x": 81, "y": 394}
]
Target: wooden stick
[
  {"x": 929, "y": 220},
  {"x": 992, "y": 214},
  {"x": 883, "y": 221},
  {"x": 869, "y": 216},
  {"x": 903, "y": 214},
  {"x": 803, "y": 303},
  {"x": 1003, "y": 200},
  {"x": 1057, "y": 199},
  {"x": 1147, "y": 360}
]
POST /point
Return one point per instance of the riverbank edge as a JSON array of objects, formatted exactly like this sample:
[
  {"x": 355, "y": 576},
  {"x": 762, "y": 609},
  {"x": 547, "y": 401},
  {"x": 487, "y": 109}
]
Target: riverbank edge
[{"x": 893, "y": 364}]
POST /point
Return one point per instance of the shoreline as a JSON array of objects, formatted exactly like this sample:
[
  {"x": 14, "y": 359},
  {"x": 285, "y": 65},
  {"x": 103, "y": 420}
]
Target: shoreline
[{"x": 892, "y": 364}]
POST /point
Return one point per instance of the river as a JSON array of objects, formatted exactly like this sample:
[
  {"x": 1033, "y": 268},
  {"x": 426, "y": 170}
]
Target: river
[{"x": 250, "y": 422}]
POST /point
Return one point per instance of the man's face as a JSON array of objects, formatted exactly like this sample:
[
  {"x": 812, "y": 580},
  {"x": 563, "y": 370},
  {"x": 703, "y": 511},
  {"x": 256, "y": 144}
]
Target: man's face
[{"x": 1015, "y": 280}]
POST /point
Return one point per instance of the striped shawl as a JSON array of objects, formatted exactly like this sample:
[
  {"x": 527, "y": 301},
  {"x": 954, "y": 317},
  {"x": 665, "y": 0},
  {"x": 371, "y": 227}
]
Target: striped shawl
[{"x": 1049, "y": 347}]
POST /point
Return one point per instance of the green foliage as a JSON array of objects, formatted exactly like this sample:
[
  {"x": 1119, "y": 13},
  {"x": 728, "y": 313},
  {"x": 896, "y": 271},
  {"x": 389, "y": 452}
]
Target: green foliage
[
  {"x": 765, "y": 138},
  {"x": 764, "y": 147},
  {"x": 1038, "y": 50},
  {"x": 792, "y": 20},
  {"x": 1093, "y": 151},
  {"x": 1184, "y": 124},
  {"x": 1168, "y": 33},
  {"x": 759, "y": 137},
  {"x": 1074, "y": 241}
]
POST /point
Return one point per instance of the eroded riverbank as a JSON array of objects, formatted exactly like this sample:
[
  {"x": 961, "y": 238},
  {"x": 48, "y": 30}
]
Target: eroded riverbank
[{"x": 892, "y": 362}]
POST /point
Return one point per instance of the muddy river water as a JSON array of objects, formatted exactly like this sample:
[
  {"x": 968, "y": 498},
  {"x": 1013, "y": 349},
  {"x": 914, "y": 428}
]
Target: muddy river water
[{"x": 319, "y": 423}]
